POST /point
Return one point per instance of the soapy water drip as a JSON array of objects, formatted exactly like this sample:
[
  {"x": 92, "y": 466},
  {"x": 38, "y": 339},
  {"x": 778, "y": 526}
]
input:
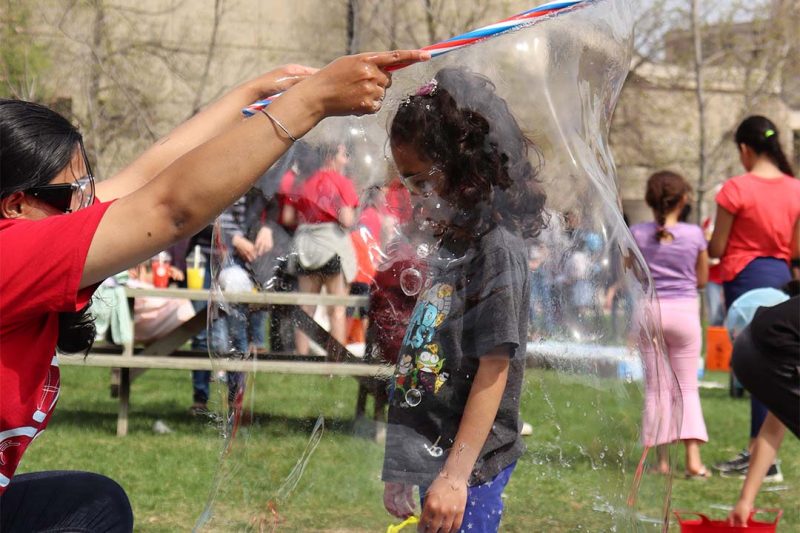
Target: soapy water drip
[{"x": 294, "y": 476}]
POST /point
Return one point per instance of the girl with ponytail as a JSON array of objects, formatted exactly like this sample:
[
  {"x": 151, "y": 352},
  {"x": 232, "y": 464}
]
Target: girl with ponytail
[
  {"x": 756, "y": 233},
  {"x": 676, "y": 254}
]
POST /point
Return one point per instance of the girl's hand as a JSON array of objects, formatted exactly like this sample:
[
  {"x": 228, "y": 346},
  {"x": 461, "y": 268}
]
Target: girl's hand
[
  {"x": 279, "y": 80},
  {"x": 398, "y": 499},
  {"x": 355, "y": 85},
  {"x": 740, "y": 514},
  {"x": 445, "y": 502}
]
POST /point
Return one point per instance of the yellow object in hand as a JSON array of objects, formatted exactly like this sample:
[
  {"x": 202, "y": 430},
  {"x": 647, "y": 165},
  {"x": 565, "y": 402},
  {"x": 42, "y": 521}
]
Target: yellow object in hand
[{"x": 410, "y": 521}]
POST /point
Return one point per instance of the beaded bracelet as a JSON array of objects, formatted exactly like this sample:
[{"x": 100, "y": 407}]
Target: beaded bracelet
[{"x": 279, "y": 124}]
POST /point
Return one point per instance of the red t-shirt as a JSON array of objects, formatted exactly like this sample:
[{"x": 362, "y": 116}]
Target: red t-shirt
[
  {"x": 284, "y": 195},
  {"x": 366, "y": 239},
  {"x": 398, "y": 201},
  {"x": 765, "y": 213},
  {"x": 390, "y": 307},
  {"x": 371, "y": 219},
  {"x": 41, "y": 264},
  {"x": 323, "y": 195}
]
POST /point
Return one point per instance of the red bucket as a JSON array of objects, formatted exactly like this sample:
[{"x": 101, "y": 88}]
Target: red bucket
[{"x": 703, "y": 524}]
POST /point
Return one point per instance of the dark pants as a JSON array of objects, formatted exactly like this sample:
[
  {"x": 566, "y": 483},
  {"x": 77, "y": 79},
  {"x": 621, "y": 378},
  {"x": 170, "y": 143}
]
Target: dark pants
[
  {"x": 61, "y": 501},
  {"x": 760, "y": 273},
  {"x": 774, "y": 377}
]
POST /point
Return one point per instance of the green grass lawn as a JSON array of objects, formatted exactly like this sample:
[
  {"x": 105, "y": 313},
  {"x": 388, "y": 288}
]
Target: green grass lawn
[{"x": 575, "y": 475}]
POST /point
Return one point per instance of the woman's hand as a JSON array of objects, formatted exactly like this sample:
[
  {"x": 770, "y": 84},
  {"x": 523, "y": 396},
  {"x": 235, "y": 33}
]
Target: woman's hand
[
  {"x": 398, "y": 499},
  {"x": 445, "y": 502},
  {"x": 355, "y": 85}
]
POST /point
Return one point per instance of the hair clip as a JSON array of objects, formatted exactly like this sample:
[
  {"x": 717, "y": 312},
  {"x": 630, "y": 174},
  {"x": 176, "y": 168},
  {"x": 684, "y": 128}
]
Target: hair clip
[
  {"x": 769, "y": 133},
  {"x": 427, "y": 89}
]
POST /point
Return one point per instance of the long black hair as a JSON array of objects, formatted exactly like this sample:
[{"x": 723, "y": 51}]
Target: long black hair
[
  {"x": 460, "y": 123},
  {"x": 36, "y": 143},
  {"x": 760, "y": 134}
]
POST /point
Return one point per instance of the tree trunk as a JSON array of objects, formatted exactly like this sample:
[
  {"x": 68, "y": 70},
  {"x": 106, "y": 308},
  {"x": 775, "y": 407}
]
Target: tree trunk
[
  {"x": 701, "y": 109},
  {"x": 352, "y": 47}
]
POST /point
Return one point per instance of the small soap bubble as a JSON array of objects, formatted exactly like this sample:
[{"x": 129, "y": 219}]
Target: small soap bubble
[
  {"x": 424, "y": 249},
  {"x": 411, "y": 281},
  {"x": 413, "y": 397}
]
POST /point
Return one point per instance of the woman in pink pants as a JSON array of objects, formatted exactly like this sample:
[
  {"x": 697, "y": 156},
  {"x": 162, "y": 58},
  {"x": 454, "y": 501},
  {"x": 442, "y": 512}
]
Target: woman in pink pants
[{"x": 676, "y": 254}]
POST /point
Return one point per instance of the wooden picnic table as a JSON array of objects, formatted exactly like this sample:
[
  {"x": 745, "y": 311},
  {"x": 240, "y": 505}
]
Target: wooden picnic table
[{"x": 167, "y": 352}]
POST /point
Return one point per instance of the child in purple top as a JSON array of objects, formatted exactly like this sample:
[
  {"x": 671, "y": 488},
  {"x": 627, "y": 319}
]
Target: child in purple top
[
  {"x": 678, "y": 260},
  {"x": 673, "y": 263}
]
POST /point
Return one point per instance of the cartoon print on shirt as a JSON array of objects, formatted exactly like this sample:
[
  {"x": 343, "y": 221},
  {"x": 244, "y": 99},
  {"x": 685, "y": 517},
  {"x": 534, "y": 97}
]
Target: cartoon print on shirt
[
  {"x": 3, "y": 447},
  {"x": 419, "y": 368},
  {"x": 50, "y": 391},
  {"x": 440, "y": 379},
  {"x": 429, "y": 360},
  {"x": 13, "y": 441},
  {"x": 405, "y": 365}
]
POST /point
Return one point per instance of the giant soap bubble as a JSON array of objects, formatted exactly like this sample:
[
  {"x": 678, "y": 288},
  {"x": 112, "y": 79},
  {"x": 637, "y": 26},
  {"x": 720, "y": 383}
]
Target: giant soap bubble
[{"x": 476, "y": 227}]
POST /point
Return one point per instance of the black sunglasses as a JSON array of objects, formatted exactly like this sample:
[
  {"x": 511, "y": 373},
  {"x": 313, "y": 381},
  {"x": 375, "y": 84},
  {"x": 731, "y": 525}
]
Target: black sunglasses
[{"x": 68, "y": 197}]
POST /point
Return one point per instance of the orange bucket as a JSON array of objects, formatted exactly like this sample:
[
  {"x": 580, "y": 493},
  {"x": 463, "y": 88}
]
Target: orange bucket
[
  {"x": 703, "y": 524},
  {"x": 718, "y": 349}
]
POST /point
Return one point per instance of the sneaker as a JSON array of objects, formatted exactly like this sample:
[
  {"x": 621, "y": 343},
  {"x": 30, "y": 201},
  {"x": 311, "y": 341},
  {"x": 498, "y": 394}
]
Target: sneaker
[
  {"x": 198, "y": 409},
  {"x": 742, "y": 459},
  {"x": 774, "y": 474}
]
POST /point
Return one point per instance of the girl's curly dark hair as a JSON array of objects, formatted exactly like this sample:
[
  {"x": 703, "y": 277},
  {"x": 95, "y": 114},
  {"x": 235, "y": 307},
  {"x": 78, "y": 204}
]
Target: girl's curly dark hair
[{"x": 462, "y": 125}]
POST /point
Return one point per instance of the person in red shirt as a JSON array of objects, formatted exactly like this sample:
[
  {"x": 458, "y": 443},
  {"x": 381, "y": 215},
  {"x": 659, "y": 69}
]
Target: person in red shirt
[
  {"x": 57, "y": 243},
  {"x": 323, "y": 253},
  {"x": 756, "y": 235}
]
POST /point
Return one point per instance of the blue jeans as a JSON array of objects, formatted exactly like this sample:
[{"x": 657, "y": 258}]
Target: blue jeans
[
  {"x": 484, "y": 503},
  {"x": 540, "y": 312},
  {"x": 231, "y": 333}
]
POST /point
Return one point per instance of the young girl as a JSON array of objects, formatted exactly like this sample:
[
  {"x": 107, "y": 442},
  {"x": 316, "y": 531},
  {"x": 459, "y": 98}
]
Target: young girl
[
  {"x": 676, "y": 254},
  {"x": 756, "y": 235},
  {"x": 454, "y": 407}
]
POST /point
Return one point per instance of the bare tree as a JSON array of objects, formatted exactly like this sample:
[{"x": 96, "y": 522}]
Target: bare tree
[
  {"x": 699, "y": 68},
  {"x": 127, "y": 58},
  {"x": 417, "y": 23},
  {"x": 697, "y": 40},
  {"x": 22, "y": 59}
]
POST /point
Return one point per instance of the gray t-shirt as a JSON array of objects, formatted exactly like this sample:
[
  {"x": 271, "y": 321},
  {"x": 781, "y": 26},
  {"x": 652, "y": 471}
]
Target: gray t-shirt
[{"x": 473, "y": 301}]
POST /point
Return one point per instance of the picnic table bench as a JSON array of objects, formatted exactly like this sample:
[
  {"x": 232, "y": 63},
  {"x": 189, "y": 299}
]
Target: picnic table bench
[{"x": 168, "y": 352}]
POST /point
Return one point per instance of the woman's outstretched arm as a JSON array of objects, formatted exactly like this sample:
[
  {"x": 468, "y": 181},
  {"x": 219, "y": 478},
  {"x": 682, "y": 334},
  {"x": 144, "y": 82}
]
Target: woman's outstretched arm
[
  {"x": 191, "y": 191},
  {"x": 208, "y": 123}
]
